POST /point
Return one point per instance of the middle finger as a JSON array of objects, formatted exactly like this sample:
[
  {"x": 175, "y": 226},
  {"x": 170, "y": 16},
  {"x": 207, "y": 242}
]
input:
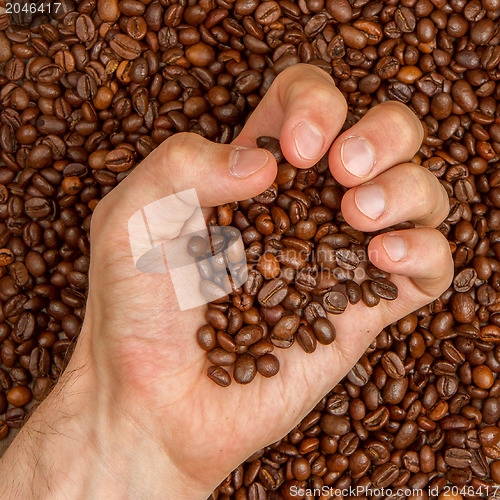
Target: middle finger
[{"x": 387, "y": 135}]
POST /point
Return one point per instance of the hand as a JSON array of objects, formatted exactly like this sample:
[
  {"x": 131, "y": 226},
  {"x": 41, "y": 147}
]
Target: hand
[{"x": 156, "y": 425}]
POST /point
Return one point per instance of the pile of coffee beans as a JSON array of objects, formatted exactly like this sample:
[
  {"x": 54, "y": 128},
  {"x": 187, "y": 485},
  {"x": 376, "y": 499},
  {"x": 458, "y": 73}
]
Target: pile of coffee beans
[
  {"x": 88, "y": 91},
  {"x": 302, "y": 262}
]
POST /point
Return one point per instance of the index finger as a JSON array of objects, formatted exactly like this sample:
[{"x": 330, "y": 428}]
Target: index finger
[{"x": 303, "y": 109}]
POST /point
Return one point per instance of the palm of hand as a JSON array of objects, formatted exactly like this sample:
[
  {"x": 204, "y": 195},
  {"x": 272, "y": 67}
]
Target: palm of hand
[{"x": 154, "y": 355}]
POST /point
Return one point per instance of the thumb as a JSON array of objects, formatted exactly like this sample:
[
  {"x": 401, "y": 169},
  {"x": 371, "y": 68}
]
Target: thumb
[
  {"x": 220, "y": 173},
  {"x": 198, "y": 172},
  {"x": 163, "y": 196}
]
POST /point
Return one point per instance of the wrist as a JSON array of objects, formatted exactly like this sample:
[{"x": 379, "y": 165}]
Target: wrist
[
  {"x": 80, "y": 443},
  {"x": 46, "y": 457},
  {"x": 129, "y": 462},
  {"x": 132, "y": 422}
]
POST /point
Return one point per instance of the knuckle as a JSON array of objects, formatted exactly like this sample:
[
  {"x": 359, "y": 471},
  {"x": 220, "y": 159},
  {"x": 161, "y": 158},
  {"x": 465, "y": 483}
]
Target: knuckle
[
  {"x": 404, "y": 119},
  {"x": 298, "y": 71},
  {"x": 176, "y": 148},
  {"x": 444, "y": 255},
  {"x": 301, "y": 82},
  {"x": 325, "y": 97},
  {"x": 434, "y": 198},
  {"x": 423, "y": 188}
]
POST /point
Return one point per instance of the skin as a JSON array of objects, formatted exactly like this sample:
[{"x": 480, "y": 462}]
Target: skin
[{"x": 134, "y": 415}]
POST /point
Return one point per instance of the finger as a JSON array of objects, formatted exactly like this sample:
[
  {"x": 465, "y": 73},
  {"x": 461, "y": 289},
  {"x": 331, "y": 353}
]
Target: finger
[
  {"x": 405, "y": 192},
  {"x": 387, "y": 135},
  {"x": 219, "y": 173},
  {"x": 302, "y": 108},
  {"x": 420, "y": 264}
]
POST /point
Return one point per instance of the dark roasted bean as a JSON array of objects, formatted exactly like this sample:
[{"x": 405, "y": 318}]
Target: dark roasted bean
[
  {"x": 219, "y": 376},
  {"x": 324, "y": 331}
]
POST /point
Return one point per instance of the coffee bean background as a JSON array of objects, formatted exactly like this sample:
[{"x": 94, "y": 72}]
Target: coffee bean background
[{"x": 87, "y": 93}]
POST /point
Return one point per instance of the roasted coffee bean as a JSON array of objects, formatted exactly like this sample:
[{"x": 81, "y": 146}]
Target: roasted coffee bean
[
  {"x": 6, "y": 257},
  {"x": 324, "y": 331},
  {"x": 268, "y": 365},
  {"x": 249, "y": 335},
  {"x": 272, "y": 293},
  {"x": 325, "y": 256},
  {"x": 219, "y": 376},
  {"x": 37, "y": 208},
  {"x": 292, "y": 257},
  {"x": 370, "y": 298},
  {"x": 220, "y": 357},
  {"x": 286, "y": 327},
  {"x": 207, "y": 338},
  {"x": 384, "y": 475},
  {"x": 384, "y": 288},
  {"x": 306, "y": 339},
  {"x": 39, "y": 364},
  {"x": 19, "y": 395},
  {"x": 346, "y": 259},
  {"x": 335, "y": 425},
  {"x": 313, "y": 311},
  {"x": 406, "y": 435},
  {"x": 335, "y": 302},
  {"x": 358, "y": 375},
  {"x": 458, "y": 458},
  {"x": 245, "y": 369},
  {"x": 25, "y": 327},
  {"x": 353, "y": 291},
  {"x": 125, "y": 46},
  {"x": 393, "y": 365}
]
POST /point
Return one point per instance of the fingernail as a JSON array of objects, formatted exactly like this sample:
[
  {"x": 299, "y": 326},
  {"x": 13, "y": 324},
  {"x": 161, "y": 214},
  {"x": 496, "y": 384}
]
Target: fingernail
[
  {"x": 357, "y": 156},
  {"x": 395, "y": 246},
  {"x": 246, "y": 162},
  {"x": 308, "y": 140},
  {"x": 370, "y": 200}
]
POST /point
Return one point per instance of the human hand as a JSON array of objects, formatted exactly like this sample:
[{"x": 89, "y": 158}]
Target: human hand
[{"x": 149, "y": 402}]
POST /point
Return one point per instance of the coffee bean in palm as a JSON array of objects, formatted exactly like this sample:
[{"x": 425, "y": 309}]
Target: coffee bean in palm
[
  {"x": 249, "y": 335},
  {"x": 335, "y": 302},
  {"x": 324, "y": 331},
  {"x": 245, "y": 369},
  {"x": 374, "y": 272},
  {"x": 353, "y": 291},
  {"x": 226, "y": 341},
  {"x": 272, "y": 293},
  {"x": 286, "y": 327},
  {"x": 268, "y": 365},
  {"x": 306, "y": 339},
  {"x": 314, "y": 310},
  {"x": 282, "y": 343},
  {"x": 384, "y": 288},
  {"x": 197, "y": 246},
  {"x": 261, "y": 347},
  {"x": 346, "y": 259},
  {"x": 219, "y": 375},
  {"x": 369, "y": 297},
  {"x": 325, "y": 256},
  {"x": 220, "y": 357}
]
